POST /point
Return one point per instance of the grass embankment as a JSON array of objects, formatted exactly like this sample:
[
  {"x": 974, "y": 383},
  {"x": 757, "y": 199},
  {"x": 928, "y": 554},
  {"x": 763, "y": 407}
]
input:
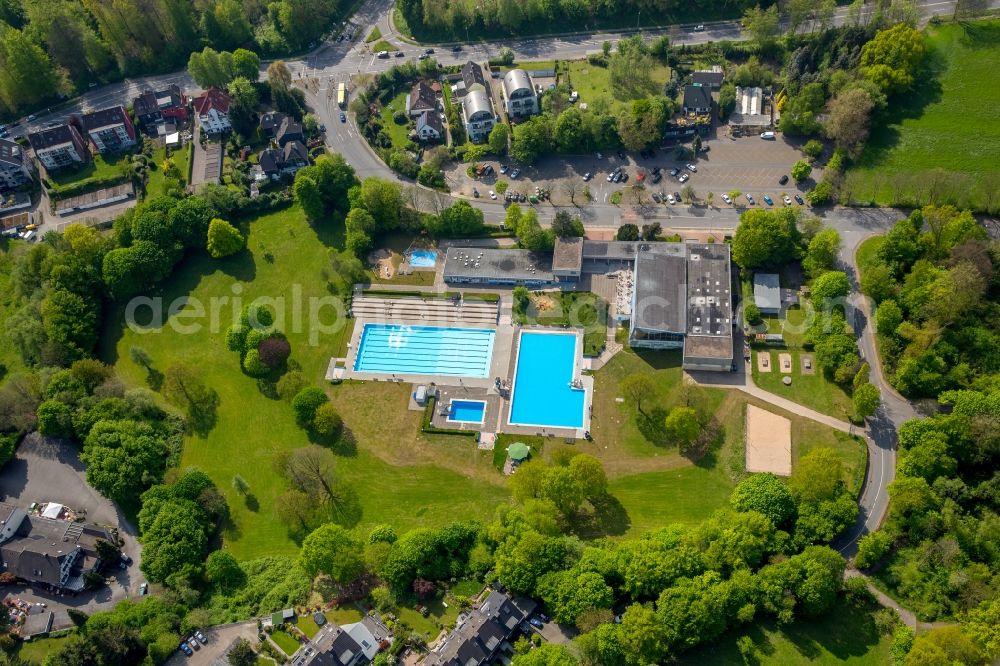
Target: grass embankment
[
  {"x": 652, "y": 482},
  {"x": 397, "y": 476},
  {"x": 574, "y": 309},
  {"x": 942, "y": 143},
  {"x": 374, "y": 35},
  {"x": 845, "y": 636}
]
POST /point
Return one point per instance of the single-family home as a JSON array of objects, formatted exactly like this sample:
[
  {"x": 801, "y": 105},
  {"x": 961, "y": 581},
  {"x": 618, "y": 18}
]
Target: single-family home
[
  {"x": 429, "y": 126},
  {"x": 420, "y": 99},
  {"x": 271, "y": 121},
  {"x": 58, "y": 147},
  {"x": 472, "y": 77},
  {"x": 697, "y": 100},
  {"x": 212, "y": 109},
  {"x": 109, "y": 130},
  {"x": 15, "y": 167},
  {"x": 289, "y": 130},
  {"x": 477, "y": 115},
  {"x": 152, "y": 108},
  {"x": 519, "y": 94},
  {"x": 708, "y": 78},
  {"x": 48, "y": 551},
  {"x": 284, "y": 161}
]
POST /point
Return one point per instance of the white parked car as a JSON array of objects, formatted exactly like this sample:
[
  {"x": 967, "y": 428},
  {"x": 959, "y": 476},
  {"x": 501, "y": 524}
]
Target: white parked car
[
  {"x": 586, "y": 177},
  {"x": 727, "y": 198},
  {"x": 493, "y": 195},
  {"x": 683, "y": 178},
  {"x": 690, "y": 167},
  {"x": 787, "y": 199},
  {"x": 671, "y": 199}
]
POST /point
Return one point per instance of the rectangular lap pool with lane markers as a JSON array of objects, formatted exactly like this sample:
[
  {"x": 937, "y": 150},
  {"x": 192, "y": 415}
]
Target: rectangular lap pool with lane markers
[{"x": 425, "y": 350}]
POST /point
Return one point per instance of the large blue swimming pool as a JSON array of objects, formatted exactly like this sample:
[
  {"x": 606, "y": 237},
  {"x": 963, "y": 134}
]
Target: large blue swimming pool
[
  {"x": 425, "y": 350},
  {"x": 542, "y": 392}
]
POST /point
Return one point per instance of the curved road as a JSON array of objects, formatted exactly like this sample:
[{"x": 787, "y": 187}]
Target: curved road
[{"x": 333, "y": 62}]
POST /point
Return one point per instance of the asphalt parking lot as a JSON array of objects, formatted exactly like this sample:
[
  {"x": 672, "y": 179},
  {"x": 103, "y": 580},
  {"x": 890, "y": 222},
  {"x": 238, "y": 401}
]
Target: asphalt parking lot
[
  {"x": 47, "y": 470},
  {"x": 749, "y": 164}
]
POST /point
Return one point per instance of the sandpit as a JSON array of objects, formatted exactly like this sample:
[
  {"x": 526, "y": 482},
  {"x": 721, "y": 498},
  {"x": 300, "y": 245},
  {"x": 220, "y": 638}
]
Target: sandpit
[{"x": 768, "y": 442}]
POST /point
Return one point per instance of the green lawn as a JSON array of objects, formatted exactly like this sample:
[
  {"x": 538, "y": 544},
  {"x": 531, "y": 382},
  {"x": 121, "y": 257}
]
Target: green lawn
[
  {"x": 593, "y": 82},
  {"x": 288, "y": 643},
  {"x": 102, "y": 166},
  {"x": 844, "y": 636},
  {"x": 396, "y": 477},
  {"x": 814, "y": 391},
  {"x": 867, "y": 253},
  {"x": 428, "y": 627},
  {"x": 156, "y": 183},
  {"x": 35, "y": 650},
  {"x": 383, "y": 45},
  {"x": 374, "y": 35},
  {"x": 577, "y": 309},
  {"x": 685, "y": 495},
  {"x": 340, "y": 616},
  {"x": 943, "y": 142},
  {"x": 399, "y": 134}
]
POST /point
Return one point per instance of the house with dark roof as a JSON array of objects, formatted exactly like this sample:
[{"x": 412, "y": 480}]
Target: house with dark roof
[
  {"x": 15, "y": 167},
  {"x": 289, "y": 130},
  {"x": 420, "y": 99},
  {"x": 429, "y": 126},
  {"x": 212, "y": 109},
  {"x": 271, "y": 121},
  {"x": 711, "y": 79},
  {"x": 47, "y": 551},
  {"x": 284, "y": 161},
  {"x": 109, "y": 130},
  {"x": 697, "y": 100},
  {"x": 482, "y": 634},
  {"x": 152, "y": 108},
  {"x": 472, "y": 78},
  {"x": 332, "y": 646},
  {"x": 60, "y": 146}
]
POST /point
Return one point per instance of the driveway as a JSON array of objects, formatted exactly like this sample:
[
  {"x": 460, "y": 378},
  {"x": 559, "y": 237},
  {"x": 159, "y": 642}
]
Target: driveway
[
  {"x": 49, "y": 470},
  {"x": 207, "y": 164},
  {"x": 219, "y": 640}
]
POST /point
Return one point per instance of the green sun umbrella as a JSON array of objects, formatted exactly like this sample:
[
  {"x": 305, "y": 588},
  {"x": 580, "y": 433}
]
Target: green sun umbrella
[{"x": 518, "y": 451}]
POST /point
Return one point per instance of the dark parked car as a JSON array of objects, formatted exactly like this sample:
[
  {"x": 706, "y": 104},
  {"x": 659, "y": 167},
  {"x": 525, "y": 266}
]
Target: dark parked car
[
  {"x": 674, "y": 172},
  {"x": 656, "y": 197},
  {"x": 456, "y": 48},
  {"x": 655, "y": 170},
  {"x": 782, "y": 180},
  {"x": 429, "y": 51},
  {"x": 400, "y": 54},
  {"x": 657, "y": 177},
  {"x": 799, "y": 200},
  {"x": 186, "y": 649},
  {"x": 535, "y": 622}
]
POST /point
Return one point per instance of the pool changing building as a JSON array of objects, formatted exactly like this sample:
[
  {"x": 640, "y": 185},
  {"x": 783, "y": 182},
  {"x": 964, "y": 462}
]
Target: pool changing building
[{"x": 681, "y": 292}]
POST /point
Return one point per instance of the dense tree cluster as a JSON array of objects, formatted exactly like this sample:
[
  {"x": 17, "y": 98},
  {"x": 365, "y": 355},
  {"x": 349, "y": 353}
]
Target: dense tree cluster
[
  {"x": 934, "y": 281},
  {"x": 175, "y": 523},
  {"x": 262, "y": 346},
  {"x": 60, "y": 46}
]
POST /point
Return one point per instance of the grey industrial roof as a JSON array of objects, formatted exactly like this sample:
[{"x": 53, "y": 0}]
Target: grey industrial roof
[
  {"x": 568, "y": 255},
  {"x": 610, "y": 249},
  {"x": 494, "y": 264},
  {"x": 475, "y": 102},
  {"x": 514, "y": 80},
  {"x": 767, "y": 291},
  {"x": 659, "y": 288},
  {"x": 709, "y": 310}
]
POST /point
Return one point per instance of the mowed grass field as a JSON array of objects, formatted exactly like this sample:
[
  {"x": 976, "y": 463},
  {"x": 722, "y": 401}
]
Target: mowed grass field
[
  {"x": 945, "y": 139},
  {"x": 593, "y": 82},
  {"x": 394, "y": 479},
  {"x": 846, "y": 636},
  {"x": 814, "y": 391},
  {"x": 653, "y": 483}
]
